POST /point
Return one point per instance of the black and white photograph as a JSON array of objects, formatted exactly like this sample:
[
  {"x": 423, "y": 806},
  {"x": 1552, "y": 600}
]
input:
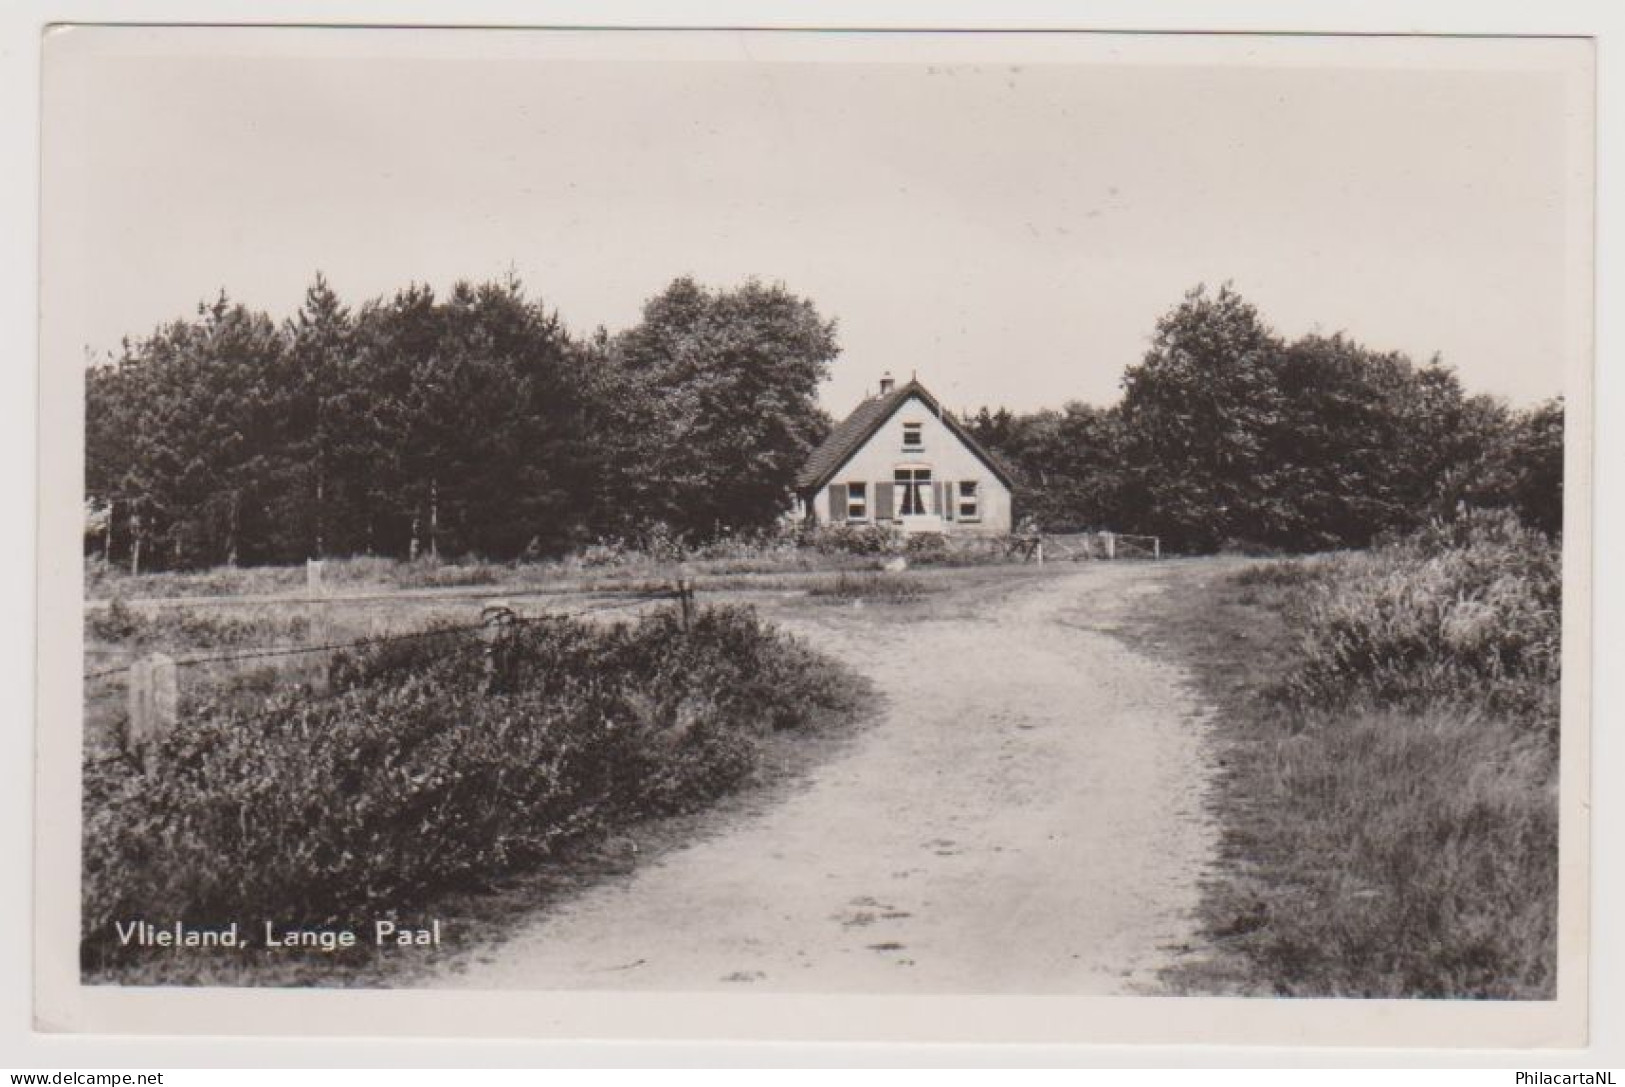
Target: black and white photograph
[{"x": 763, "y": 514}]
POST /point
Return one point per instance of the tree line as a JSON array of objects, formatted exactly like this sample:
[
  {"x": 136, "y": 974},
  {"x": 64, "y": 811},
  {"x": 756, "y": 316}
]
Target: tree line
[
  {"x": 470, "y": 424},
  {"x": 477, "y": 424},
  {"x": 1227, "y": 434}
]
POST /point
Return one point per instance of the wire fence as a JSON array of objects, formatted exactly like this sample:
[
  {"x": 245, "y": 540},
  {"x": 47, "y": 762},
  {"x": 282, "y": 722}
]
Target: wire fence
[{"x": 152, "y": 686}]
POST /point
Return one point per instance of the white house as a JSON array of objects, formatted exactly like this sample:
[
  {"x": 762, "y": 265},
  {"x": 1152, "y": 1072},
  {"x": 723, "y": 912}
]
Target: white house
[{"x": 899, "y": 459}]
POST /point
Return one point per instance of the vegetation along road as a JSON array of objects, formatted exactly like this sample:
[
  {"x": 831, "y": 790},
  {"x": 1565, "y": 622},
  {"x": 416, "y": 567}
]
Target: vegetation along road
[{"x": 1026, "y": 814}]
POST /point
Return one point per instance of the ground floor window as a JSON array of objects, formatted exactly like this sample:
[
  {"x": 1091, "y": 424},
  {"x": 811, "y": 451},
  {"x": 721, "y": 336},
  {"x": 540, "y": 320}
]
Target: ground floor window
[
  {"x": 914, "y": 491},
  {"x": 857, "y": 501},
  {"x": 970, "y": 502}
]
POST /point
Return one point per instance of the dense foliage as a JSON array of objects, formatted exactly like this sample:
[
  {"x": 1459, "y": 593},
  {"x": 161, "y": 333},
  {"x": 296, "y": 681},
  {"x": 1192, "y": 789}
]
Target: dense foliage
[
  {"x": 1227, "y": 435},
  {"x": 711, "y": 408},
  {"x": 435, "y": 763},
  {"x": 473, "y": 424}
]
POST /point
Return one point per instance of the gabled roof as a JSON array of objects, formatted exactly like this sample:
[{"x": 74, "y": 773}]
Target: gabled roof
[{"x": 868, "y": 417}]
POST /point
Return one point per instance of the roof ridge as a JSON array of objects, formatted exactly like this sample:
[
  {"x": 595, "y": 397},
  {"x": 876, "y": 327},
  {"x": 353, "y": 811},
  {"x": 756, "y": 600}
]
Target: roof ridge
[{"x": 849, "y": 435}]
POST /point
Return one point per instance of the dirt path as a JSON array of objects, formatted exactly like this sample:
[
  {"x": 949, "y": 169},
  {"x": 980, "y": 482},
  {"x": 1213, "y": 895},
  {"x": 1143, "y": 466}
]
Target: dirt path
[{"x": 1025, "y": 816}]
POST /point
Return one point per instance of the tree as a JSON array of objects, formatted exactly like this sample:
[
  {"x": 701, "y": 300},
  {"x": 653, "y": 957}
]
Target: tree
[
  {"x": 179, "y": 441},
  {"x": 1537, "y": 489},
  {"x": 1195, "y": 412},
  {"x": 711, "y": 407},
  {"x": 465, "y": 425},
  {"x": 1067, "y": 464},
  {"x": 1341, "y": 446},
  {"x": 315, "y": 370},
  {"x": 1514, "y": 461}
]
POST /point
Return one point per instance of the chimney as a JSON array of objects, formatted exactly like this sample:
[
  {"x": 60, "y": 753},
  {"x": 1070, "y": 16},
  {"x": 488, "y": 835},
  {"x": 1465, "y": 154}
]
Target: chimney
[{"x": 886, "y": 383}]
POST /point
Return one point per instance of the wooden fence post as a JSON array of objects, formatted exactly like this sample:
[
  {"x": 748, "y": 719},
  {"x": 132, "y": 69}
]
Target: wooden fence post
[
  {"x": 154, "y": 699},
  {"x": 495, "y": 616},
  {"x": 685, "y": 601},
  {"x": 321, "y": 633}
]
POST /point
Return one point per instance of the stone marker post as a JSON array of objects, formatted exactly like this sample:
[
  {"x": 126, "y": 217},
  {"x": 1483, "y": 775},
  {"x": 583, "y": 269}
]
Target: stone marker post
[{"x": 154, "y": 700}]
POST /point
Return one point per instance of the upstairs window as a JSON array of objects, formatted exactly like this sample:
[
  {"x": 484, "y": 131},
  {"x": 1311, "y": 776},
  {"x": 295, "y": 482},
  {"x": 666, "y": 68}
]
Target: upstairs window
[
  {"x": 970, "y": 502},
  {"x": 913, "y": 436},
  {"x": 857, "y": 501}
]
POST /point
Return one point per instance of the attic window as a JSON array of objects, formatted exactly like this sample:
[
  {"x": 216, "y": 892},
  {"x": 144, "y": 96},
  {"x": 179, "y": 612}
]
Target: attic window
[{"x": 912, "y": 436}]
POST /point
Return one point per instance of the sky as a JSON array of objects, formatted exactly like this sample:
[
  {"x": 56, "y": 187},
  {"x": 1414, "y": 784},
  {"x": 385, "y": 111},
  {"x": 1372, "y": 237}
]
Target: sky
[{"x": 1005, "y": 217}]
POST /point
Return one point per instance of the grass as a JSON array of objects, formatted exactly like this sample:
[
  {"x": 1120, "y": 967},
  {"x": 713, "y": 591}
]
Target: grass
[
  {"x": 878, "y": 588},
  {"x": 610, "y": 565},
  {"x": 430, "y": 768},
  {"x": 1388, "y": 788},
  {"x": 179, "y": 629},
  {"x": 601, "y": 565}
]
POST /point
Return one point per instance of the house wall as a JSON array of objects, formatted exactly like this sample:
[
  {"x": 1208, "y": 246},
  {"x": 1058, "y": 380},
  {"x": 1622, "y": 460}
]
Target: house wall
[{"x": 947, "y": 457}]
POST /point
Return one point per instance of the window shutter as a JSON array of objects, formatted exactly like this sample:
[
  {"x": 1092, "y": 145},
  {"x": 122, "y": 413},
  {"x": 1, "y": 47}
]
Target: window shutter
[
  {"x": 883, "y": 501},
  {"x": 837, "y": 503},
  {"x": 950, "y": 491}
]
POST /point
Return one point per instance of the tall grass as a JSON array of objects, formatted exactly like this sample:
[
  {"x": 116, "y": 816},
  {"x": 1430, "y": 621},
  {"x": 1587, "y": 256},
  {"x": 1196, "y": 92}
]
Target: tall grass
[
  {"x": 434, "y": 765},
  {"x": 1399, "y": 855},
  {"x": 1390, "y": 792}
]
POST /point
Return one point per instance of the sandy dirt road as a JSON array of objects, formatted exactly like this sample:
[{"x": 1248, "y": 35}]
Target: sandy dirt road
[{"x": 1025, "y": 815}]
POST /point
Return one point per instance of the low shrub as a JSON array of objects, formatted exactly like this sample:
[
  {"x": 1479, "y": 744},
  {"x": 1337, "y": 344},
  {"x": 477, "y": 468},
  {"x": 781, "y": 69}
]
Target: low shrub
[
  {"x": 436, "y": 763},
  {"x": 927, "y": 547},
  {"x": 855, "y": 540},
  {"x": 1466, "y": 614}
]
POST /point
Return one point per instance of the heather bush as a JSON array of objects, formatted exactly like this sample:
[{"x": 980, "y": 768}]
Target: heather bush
[
  {"x": 437, "y": 763},
  {"x": 1467, "y": 614}
]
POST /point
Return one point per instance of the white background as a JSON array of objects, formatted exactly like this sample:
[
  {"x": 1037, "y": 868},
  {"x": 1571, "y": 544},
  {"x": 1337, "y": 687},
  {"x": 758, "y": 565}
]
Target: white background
[{"x": 19, "y": 29}]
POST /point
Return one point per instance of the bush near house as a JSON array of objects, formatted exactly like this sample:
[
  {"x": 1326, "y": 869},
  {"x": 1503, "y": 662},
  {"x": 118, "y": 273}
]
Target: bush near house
[
  {"x": 436, "y": 764},
  {"x": 1390, "y": 799}
]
